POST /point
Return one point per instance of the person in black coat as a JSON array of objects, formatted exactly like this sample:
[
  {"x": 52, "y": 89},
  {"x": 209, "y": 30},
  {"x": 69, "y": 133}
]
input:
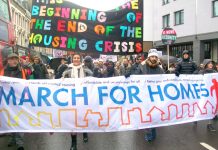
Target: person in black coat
[
  {"x": 186, "y": 66},
  {"x": 40, "y": 70},
  {"x": 62, "y": 67}
]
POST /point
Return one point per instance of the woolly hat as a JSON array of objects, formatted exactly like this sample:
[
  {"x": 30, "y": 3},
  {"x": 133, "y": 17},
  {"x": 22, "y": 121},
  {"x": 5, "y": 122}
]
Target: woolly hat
[
  {"x": 185, "y": 52},
  {"x": 23, "y": 57},
  {"x": 13, "y": 55},
  {"x": 153, "y": 52},
  {"x": 88, "y": 59}
]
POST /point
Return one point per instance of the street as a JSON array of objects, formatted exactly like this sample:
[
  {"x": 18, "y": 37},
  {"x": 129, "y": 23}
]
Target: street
[{"x": 178, "y": 137}]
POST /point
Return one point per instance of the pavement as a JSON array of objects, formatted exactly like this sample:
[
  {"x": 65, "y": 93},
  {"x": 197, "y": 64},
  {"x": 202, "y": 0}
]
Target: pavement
[{"x": 178, "y": 137}]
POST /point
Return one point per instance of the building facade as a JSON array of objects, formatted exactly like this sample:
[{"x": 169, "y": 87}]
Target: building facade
[
  {"x": 21, "y": 18},
  {"x": 196, "y": 24}
]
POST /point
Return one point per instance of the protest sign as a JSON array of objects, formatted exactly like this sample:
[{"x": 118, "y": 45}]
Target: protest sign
[
  {"x": 106, "y": 104},
  {"x": 64, "y": 25}
]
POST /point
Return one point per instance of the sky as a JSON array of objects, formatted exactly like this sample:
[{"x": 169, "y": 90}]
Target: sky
[{"x": 101, "y": 5}]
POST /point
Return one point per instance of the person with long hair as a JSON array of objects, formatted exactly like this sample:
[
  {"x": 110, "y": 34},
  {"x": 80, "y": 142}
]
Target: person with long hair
[{"x": 77, "y": 70}]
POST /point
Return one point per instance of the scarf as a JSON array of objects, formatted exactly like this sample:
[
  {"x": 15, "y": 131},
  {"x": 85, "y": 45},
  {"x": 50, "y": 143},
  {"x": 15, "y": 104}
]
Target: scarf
[{"x": 77, "y": 72}]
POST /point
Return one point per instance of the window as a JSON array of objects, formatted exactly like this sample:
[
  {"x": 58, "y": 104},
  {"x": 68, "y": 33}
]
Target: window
[
  {"x": 179, "y": 17},
  {"x": 215, "y": 8},
  {"x": 165, "y": 2},
  {"x": 166, "y": 21},
  {"x": 207, "y": 50},
  {"x": 4, "y": 10},
  {"x": 3, "y": 31}
]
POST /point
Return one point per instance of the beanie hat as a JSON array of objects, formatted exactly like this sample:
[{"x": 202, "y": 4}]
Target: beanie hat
[
  {"x": 88, "y": 59},
  {"x": 13, "y": 55},
  {"x": 152, "y": 52},
  {"x": 185, "y": 52},
  {"x": 23, "y": 57}
]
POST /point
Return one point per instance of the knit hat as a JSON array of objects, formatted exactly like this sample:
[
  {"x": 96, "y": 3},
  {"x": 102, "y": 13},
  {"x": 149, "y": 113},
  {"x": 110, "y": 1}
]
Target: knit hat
[
  {"x": 13, "y": 55},
  {"x": 185, "y": 52},
  {"x": 23, "y": 57},
  {"x": 152, "y": 52},
  {"x": 88, "y": 59}
]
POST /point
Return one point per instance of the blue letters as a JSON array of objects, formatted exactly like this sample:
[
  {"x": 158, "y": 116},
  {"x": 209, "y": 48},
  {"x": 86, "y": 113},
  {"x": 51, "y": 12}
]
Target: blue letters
[
  {"x": 196, "y": 90},
  {"x": 43, "y": 97},
  {"x": 203, "y": 89},
  {"x": 187, "y": 92},
  {"x": 100, "y": 94},
  {"x": 133, "y": 95},
  {"x": 23, "y": 99},
  {"x": 7, "y": 98},
  {"x": 55, "y": 97},
  {"x": 84, "y": 95},
  {"x": 159, "y": 92},
  {"x": 114, "y": 99},
  {"x": 167, "y": 93}
]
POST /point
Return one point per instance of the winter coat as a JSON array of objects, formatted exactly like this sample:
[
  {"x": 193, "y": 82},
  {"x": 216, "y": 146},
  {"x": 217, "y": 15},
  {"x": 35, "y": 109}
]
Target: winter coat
[
  {"x": 60, "y": 71},
  {"x": 186, "y": 66},
  {"x": 207, "y": 70},
  {"x": 14, "y": 72},
  {"x": 124, "y": 70},
  {"x": 40, "y": 71},
  {"x": 136, "y": 69},
  {"x": 149, "y": 68},
  {"x": 112, "y": 73},
  {"x": 69, "y": 72}
]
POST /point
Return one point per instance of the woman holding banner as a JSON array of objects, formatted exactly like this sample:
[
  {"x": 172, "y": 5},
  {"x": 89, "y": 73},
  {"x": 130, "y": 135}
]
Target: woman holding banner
[{"x": 77, "y": 70}]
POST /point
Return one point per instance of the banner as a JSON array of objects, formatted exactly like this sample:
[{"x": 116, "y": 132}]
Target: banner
[
  {"x": 105, "y": 104},
  {"x": 64, "y": 25}
]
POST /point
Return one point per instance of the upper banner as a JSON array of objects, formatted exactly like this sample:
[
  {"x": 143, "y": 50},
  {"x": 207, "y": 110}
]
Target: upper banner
[
  {"x": 105, "y": 104},
  {"x": 61, "y": 24}
]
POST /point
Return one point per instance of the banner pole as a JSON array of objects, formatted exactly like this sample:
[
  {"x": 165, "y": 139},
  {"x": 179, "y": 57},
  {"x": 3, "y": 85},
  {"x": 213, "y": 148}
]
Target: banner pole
[{"x": 168, "y": 56}]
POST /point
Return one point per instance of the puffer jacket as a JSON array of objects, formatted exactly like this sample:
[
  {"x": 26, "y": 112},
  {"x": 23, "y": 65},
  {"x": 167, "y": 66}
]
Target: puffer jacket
[{"x": 186, "y": 66}]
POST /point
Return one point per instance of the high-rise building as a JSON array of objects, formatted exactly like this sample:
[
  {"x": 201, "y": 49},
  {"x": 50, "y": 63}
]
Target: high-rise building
[{"x": 195, "y": 21}]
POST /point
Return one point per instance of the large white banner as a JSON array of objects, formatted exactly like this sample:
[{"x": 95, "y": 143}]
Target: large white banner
[{"x": 107, "y": 104}]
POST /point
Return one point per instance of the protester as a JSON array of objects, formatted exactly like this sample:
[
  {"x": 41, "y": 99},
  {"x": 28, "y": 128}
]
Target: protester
[
  {"x": 186, "y": 66},
  {"x": 137, "y": 68},
  {"x": 171, "y": 69},
  {"x": 88, "y": 62},
  {"x": 77, "y": 70},
  {"x": 216, "y": 67},
  {"x": 152, "y": 66},
  {"x": 61, "y": 68},
  {"x": 125, "y": 68},
  {"x": 40, "y": 70},
  {"x": 50, "y": 72},
  {"x": 117, "y": 67},
  {"x": 100, "y": 70},
  {"x": 111, "y": 71},
  {"x": 25, "y": 63},
  {"x": 209, "y": 68},
  {"x": 14, "y": 69}
]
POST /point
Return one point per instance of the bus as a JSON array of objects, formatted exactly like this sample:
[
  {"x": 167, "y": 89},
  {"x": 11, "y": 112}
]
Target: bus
[{"x": 7, "y": 38}]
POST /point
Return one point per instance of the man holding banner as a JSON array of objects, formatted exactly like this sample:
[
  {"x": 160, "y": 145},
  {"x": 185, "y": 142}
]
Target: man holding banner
[
  {"x": 151, "y": 66},
  {"x": 14, "y": 69}
]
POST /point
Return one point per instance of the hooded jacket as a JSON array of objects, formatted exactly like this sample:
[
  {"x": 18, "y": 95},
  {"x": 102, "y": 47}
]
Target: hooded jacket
[{"x": 207, "y": 70}]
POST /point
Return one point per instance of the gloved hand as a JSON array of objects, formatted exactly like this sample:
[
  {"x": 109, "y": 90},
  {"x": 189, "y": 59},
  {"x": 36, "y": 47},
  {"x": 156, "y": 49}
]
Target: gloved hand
[
  {"x": 177, "y": 74},
  {"x": 127, "y": 75}
]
